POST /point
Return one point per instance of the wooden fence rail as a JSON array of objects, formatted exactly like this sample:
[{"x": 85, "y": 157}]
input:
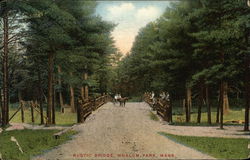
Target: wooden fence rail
[
  {"x": 84, "y": 108},
  {"x": 162, "y": 107},
  {"x": 33, "y": 106}
]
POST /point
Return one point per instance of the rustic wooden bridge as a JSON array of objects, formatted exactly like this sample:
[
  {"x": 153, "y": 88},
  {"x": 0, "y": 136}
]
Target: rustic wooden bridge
[
  {"x": 85, "y": 107},
  {"x": 161, "y": 106}
]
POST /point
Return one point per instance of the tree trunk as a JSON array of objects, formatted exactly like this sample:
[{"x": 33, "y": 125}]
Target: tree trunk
[
  {"x": 72, "y": 96},
  {"x": 201, "y": 104},
  {"x": 19, "y": 95},
  {"x": 222, "y": 88},
  {"x": 32, "y": 111},
  {"x": 2, "y": 112},
  {"x": 82, "y": 93},
  {"x": 186, "y": 110},
  {"x": 170, "y": 108},
  {"x": 188, "y": 104},
  {"x": 54, "y": 103},
  {"x": 183, "y": 106},
  {"x": 60, "y": 92},
  {"x": 5, "y": 107},
  {"x": 86, "y": 89},
  {"x": 224, "y": 93},
  {"x": 0, "y": 109},
  {"x": 20, "y": 104},
  {"x": 218, "y": 106},
  {"x": 225, "y": 99},
  {"x": 50, "y": 87},
  {"x": 40, "y": 97},
  {"x": 247, "y": 91},
  {"x": 208, "y": 106},
  {"x": 82, "y": 89},
  {"x": 247, "y": 105}
]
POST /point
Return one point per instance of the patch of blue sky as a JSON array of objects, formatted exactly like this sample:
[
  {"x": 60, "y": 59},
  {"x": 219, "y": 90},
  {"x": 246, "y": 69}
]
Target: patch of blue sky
[{"x": 129, "y": 16}]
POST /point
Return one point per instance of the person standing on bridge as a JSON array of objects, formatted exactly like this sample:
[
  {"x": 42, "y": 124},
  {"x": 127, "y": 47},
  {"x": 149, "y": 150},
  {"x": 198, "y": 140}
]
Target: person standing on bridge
[
  {"x": 167, "y": 97},
  {"x": 119, "y": 96},
  {"x": 163, "y": 95},
  {"x": 116, "y": 97},
  {"x": 153, "y": 99}
]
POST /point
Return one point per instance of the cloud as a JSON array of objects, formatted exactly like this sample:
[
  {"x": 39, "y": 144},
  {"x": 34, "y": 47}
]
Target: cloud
[
  {"x": 116, "y": 11},
  {"x": 130, "y": 17},
  {"x": 148, "y": 13}
]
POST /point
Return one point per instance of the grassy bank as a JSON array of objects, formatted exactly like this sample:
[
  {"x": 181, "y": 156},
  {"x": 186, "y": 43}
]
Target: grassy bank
[
  {"x": 153, "y": 116},
  {"x": 232, "y": 115},
  {"x": 64, "y": 119},
  {"x": 32, "y": 142},
  {"x": 237, "y": 111},
  {"x": 224, "y": 148}
]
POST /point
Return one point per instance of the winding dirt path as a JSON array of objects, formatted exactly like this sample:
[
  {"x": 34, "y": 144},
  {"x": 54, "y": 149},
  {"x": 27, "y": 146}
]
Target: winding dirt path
[{"x": 114, "y": 132}]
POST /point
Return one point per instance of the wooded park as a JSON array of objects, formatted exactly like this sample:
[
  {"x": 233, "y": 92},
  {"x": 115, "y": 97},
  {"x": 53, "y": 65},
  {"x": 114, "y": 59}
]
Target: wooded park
[
  {"x": 198, "y": 51},
  {"x": 60, "y": 64},
  {"x": 49, "y": 52}
]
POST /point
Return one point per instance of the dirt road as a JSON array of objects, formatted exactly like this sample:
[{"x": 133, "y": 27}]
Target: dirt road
[{"x": 114, "y": 132}]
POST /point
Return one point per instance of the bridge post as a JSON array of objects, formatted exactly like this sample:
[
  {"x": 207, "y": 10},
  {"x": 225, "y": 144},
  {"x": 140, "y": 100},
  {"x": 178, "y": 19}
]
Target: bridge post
[
  {"x": 32, "y": 111},
  {"x": 166, "y": 115},
  {"x": 22, "y": 110},
  {"x": 167, "y": 112},
  {"x": 94, "y": 104}
]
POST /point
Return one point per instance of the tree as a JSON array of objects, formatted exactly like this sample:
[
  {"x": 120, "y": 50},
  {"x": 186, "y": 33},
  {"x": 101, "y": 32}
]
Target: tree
[
  {"x": 5, "y": 92},
  {"x": 181, "y": 51}
]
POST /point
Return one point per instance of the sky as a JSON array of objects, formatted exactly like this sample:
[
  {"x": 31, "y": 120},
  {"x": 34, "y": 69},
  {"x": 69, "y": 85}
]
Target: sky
[{"x": 129, "y": 16}]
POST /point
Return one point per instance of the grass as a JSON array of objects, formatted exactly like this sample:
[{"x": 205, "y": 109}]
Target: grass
[
  {"x": 63, "y": 119},
  {"x": 33, "y": 142},
  {"x": 153, "y": 116},
  {"x": 223, "y": 148},
  {"x": 194, "y": 124},
  {"x": 232, "y": 115},
  {"x": 236, "y": 112}
]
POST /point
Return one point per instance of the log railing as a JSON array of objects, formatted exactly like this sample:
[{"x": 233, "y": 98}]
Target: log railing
[
  {"x": 162, "y": 107},
  {"x": 86, "y": 107}
]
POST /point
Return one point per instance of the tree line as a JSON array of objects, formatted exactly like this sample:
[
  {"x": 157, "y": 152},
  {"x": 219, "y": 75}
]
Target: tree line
[
  {"x": 53, "y": 51},
  {"x": 197, "y": 50}
]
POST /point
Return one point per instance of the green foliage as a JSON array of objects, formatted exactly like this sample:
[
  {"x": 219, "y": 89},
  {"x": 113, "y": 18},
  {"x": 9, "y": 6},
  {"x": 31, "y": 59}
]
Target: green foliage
[
  {"x": 32, "y": 142},
  {"x": 193, "y": 43},
  {"x": 135, "y": 99},
  {"x": 222, "y": 148},
  {"x": 79, "y": 40}
]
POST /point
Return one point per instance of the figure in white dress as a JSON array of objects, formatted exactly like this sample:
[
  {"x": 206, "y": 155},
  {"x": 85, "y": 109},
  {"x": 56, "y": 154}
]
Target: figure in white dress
[
  {"x": 164, "y": 96},
  {"x": 116, "y": 98},
  {"x": 153, "y": 97}
]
